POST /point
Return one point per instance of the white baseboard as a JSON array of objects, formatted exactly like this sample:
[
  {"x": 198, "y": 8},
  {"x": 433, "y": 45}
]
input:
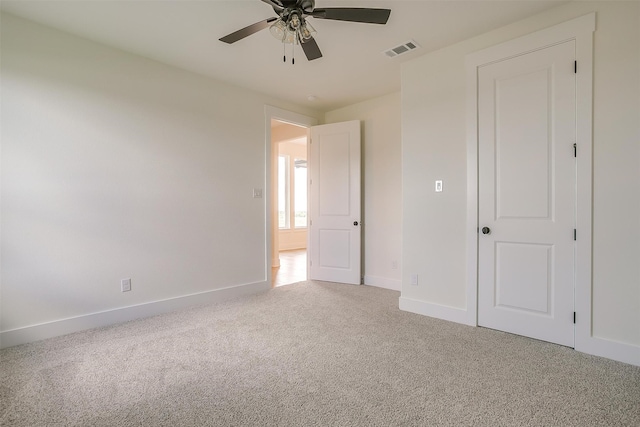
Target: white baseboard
[
  {"x": 443, "y": 312},
  {"x": 622, "y": 352},
  {"x": 109, "y": 317},
  {"x": 291, "y": 246},
  {"x": 383, "y": 282}
]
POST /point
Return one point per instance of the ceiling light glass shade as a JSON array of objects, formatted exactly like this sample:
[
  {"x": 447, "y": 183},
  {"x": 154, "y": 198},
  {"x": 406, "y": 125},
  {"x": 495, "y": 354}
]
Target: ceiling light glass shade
[
  {"x": 278, "y": 29},
  {"x": 306, "y": 31},
  {"x": 290, "y": 37}
]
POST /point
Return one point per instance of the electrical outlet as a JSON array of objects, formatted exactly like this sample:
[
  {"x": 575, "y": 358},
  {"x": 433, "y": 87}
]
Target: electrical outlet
[
  {"x": 257, "y": 193},
  {"x": 125, "y": 285},
  {"x": 414, "y": 279}
]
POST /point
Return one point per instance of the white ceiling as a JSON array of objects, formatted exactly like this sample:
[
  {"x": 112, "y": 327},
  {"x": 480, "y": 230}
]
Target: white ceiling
[{"x": 185, "y": 34}]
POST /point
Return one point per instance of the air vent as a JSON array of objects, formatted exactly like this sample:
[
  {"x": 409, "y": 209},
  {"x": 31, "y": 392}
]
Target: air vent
[{"x": 401, "y": 49}]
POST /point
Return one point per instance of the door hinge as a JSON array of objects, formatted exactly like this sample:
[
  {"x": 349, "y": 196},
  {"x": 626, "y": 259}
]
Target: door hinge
[
  {"x": 574, "y": 317},
  {"x": 575, "y": 150},
  {"x": 575, "y": 234},
  {"x": 310, "y": 263},
  {"x": 310, "y": 222},
  {"x": 575, "y": 67}
]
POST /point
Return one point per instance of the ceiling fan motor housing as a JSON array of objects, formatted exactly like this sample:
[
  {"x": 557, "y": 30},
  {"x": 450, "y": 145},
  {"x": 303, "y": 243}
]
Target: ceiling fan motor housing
[{"x": 300, "y": 6}]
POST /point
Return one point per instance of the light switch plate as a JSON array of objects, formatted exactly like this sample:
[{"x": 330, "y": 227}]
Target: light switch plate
[
  {"x": 438, "y": 186},
  {"x": 257, "y": 193}
]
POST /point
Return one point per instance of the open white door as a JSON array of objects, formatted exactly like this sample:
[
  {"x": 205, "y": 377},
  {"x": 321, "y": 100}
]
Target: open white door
[{"x": 334, "y": 203}]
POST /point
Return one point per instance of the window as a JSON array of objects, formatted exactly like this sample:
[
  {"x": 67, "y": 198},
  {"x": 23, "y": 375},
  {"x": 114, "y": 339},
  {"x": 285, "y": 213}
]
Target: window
[
  {"x": 300, "y": 196},
  {"x": 283, "y": 192},
  {"x": 292, "y": 192}
]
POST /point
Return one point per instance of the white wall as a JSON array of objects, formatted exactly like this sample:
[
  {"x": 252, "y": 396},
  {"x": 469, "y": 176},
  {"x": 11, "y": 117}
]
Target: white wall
[
  {"x": 382, "y": 186},
  {"x": 116, "y": 166},
  {"x": 434, "y": 147}
]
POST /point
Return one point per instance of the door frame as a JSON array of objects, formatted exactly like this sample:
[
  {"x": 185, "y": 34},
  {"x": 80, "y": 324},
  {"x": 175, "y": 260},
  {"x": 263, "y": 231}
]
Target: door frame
[
  {"x": 581, "y": 30},
  {"x": 271, "y": 112}
]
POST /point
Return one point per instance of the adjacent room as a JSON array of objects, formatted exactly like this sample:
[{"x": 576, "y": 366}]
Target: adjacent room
[
  {"x": 289, "y": 241},
  {"x": 296, "y": 212}
]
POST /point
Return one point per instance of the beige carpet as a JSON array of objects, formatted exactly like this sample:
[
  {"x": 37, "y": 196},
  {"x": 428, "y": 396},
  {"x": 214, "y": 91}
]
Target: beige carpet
[{"x": 310, "y": 354}]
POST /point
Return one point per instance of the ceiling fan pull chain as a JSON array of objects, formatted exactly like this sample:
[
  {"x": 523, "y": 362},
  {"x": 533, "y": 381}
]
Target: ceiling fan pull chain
[
  {"x": 284, "y": 51},
  {"x": 293, "y": 54}
]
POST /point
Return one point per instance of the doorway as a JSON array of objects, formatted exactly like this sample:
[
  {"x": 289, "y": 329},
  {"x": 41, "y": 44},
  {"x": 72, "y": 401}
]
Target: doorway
[
  {"x": 289, "y": 144},
  {"x": 336, "y": 249}
]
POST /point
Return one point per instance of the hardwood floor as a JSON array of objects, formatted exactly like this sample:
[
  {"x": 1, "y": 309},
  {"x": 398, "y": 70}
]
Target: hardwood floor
[{"x": 293, "y": 268}]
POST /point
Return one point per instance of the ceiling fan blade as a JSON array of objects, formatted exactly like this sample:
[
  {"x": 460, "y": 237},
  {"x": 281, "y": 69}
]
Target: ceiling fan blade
[
  {"x": 311, "y": 49},
  {"x": 247, "y": 31},
  {"x": 353, "y": 14},
  {"x": 276, "y": 4}
]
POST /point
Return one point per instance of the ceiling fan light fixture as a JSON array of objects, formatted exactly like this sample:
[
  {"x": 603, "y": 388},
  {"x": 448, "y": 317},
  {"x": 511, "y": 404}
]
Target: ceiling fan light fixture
[{"x": 281, "y": 30}]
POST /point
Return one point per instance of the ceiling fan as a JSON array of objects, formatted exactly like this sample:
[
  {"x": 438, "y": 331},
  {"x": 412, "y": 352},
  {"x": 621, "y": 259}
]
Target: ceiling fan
[{"x": 290, "y": 25}]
